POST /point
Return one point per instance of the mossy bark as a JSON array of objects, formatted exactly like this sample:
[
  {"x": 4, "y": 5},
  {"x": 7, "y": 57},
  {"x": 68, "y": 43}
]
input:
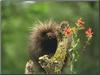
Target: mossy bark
[{"x": 54, "y": 64}]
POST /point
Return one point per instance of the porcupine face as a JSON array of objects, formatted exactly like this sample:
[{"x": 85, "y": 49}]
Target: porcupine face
[
  {"x": 43, "y": 40},
  {"x": 50, "y": 43}
]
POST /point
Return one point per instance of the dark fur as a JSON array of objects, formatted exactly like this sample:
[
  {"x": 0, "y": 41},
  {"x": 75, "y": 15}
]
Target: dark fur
[{"x": 43, "y": 40}]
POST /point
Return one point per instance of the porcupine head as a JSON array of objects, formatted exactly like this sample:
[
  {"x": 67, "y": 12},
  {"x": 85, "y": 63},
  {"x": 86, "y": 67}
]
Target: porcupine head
[{"x": 43, "y": 39}]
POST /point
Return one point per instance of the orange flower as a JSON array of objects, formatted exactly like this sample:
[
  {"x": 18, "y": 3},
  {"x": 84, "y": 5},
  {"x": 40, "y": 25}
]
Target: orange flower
[
  {"x": 68, "y": 31},
  {"x": 89, "y": 33},
  {"x": 80, "y": 22}
]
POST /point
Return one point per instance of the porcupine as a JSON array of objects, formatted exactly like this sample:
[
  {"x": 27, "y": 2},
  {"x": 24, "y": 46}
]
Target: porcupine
[{"x": 43, "y": 40}]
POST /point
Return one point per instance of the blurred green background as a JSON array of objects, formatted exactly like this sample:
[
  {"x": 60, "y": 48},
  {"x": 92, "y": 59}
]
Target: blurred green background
[{"x": 17, "y": 16}]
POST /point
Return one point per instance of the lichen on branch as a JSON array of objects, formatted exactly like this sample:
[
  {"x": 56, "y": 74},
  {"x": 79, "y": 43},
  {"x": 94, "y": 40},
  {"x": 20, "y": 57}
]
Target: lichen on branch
[{"x": 55, "y": 64}]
